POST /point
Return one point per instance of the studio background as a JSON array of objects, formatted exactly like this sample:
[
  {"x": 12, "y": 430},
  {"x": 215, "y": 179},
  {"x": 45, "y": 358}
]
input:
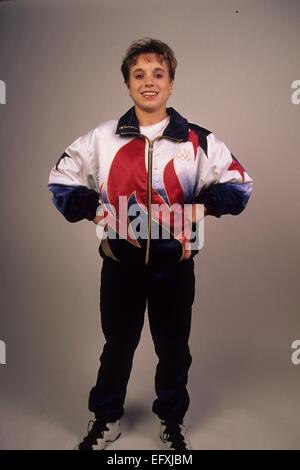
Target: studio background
[{"x": 60, "y": 61}]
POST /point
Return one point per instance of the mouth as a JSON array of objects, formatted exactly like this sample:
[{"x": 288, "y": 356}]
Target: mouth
[{"x": 150, "y": 94}]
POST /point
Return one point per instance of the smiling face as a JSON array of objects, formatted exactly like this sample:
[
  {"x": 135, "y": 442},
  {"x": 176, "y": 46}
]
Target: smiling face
[{"x": 149, "y": 84}]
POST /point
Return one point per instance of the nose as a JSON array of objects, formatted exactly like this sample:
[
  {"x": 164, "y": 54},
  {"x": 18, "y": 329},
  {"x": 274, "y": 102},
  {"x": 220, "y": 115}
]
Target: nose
[{"x": 148, "y": 80}]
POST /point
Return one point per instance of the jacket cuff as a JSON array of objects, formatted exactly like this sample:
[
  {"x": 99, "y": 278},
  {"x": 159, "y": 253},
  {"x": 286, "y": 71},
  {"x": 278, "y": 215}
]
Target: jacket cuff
[
  {"x": 75, "y": 202},
  {"x": 225, "y": 198}
]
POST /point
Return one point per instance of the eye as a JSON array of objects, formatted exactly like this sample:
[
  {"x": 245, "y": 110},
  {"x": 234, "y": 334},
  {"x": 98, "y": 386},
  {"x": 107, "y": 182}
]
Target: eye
[
  {"x": 159, "y": 75},
  {"x": 139, "y": 75}
]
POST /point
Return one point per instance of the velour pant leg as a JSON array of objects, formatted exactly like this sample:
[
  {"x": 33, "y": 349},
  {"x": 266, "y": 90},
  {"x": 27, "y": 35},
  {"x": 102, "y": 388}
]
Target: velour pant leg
[{"x": 122, "y": 307}]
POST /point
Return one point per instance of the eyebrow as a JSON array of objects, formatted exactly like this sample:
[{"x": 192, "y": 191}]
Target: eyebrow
[{"x": 142, "y": 70}]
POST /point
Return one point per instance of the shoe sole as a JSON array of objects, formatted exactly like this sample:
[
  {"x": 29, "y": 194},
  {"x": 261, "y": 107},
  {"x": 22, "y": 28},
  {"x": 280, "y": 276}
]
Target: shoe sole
[
  {"x": 106, "y": 443},
  {"x": 164, "y": 446}
]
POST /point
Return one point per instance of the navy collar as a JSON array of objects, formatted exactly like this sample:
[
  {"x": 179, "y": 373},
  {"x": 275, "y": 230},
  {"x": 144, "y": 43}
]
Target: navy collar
[{"x": 178, "y": 127}]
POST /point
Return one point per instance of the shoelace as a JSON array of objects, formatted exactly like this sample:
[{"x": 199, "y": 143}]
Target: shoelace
[
  {"x": 173, "y": 433},
  {"x": 96, "y": 431}
]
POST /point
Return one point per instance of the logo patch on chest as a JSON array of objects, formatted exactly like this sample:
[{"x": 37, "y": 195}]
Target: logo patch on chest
[{"x": 184, "y": 153}]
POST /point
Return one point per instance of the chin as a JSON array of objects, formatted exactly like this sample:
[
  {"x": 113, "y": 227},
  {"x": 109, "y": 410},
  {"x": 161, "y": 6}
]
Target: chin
[{"x": 148, "y": 107}]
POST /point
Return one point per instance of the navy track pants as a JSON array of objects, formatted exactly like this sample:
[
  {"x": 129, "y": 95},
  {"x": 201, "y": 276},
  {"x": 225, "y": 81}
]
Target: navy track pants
[{"x": 124, "y": 291}]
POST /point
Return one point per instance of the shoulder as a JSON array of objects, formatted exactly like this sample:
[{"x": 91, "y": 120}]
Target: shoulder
[
  {"x": 91, "y": 138},
  {"x": 102, "y": 127},
  {"x": 107, "y": 126},
  {"x": 202, "y": 135},
  {"x": 98, "y": 133},
  {"x": 199, "y": 129}
]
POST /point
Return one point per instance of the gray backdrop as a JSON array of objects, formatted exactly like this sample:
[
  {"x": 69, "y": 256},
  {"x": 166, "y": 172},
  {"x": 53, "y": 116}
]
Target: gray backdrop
[{"x": 61, "y": 61}]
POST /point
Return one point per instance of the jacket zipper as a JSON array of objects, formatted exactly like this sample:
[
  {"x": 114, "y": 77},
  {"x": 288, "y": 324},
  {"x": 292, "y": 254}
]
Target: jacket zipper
[{"x": 150, "y": 156}]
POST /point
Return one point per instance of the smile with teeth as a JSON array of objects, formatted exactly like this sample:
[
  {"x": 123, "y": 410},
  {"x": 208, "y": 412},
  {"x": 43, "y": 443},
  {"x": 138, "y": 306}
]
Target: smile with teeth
[{"x": 149, "y": 93}]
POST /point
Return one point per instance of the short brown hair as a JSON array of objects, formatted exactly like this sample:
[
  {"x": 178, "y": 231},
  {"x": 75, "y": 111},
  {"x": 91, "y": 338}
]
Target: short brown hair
[{"x": 144, "y": 46}]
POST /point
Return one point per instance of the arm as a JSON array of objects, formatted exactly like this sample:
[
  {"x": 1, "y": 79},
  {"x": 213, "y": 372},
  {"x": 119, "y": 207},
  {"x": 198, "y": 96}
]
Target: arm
[
  {"x": 224, "y": 186},
  {"x": 73, "y": 183}
]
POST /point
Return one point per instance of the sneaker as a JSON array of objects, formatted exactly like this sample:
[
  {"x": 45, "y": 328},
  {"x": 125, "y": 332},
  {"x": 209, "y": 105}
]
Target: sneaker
[
  {"x": 100, "y": 434},
  {"x": 172, "y": 435}
]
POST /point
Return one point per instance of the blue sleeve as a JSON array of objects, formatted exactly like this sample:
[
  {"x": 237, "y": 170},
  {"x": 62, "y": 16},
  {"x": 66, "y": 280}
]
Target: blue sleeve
[
  {"x": 74, "y": 202},
  {"x": 225, "y": 198}
]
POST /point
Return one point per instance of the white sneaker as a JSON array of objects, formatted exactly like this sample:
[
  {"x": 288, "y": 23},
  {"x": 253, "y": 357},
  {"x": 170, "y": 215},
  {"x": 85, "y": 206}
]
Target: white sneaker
[
  {"x": 173, "y": 436},
  {"x": 100, "y": 434}
]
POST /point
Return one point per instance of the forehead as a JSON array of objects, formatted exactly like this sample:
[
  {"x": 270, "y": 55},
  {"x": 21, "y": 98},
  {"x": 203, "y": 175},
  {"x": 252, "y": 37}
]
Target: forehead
[{"x": 150, "y": 60}]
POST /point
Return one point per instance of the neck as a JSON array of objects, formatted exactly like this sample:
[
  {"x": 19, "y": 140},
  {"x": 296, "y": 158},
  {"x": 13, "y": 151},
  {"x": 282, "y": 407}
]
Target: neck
[{"x": 148, "y": 119}]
